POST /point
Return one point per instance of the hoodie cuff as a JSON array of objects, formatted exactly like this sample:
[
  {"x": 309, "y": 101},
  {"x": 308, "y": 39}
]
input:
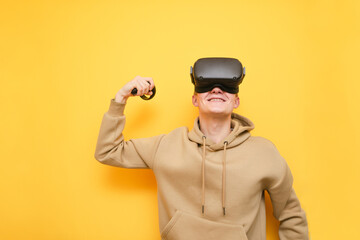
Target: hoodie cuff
[{"x": 116, "y": 109}]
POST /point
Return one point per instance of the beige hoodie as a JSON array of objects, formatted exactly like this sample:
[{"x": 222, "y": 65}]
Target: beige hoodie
[{"x": 206, "y": 190}]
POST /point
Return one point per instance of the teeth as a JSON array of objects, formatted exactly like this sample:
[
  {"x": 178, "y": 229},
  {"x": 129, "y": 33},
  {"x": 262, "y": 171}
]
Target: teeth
[{"x": 216, "y": 100}]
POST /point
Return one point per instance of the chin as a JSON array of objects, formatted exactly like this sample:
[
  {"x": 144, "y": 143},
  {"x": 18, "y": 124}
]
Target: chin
[{"x": 219, "y": 112}]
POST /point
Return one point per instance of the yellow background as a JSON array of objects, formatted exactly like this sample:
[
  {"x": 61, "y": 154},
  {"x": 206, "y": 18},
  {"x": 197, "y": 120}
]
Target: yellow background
[{"x": 62, "y": 61}]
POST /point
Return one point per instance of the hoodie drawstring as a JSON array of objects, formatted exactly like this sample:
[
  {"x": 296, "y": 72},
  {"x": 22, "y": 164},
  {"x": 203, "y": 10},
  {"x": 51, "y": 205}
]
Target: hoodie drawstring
[
  {"x": 203, "y": 177},
  {"x": 224, "y": 178}
]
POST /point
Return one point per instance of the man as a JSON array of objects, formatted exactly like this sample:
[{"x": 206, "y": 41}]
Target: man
[{"x": 211, "y": 180}]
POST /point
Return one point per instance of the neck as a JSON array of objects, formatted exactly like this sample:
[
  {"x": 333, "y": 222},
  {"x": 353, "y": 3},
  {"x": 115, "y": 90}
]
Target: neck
[{"x": 215, "y": 129}]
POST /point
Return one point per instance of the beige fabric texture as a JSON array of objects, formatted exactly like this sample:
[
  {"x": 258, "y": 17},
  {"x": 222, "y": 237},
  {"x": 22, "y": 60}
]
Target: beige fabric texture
[{"x": 253, "y": 165}]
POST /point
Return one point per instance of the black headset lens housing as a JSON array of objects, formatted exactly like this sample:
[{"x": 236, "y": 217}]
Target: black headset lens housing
[{"x": 225, "y": 73}]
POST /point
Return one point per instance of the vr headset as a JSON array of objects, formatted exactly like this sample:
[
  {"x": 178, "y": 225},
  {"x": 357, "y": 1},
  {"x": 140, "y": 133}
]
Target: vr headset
[{"x": 225, "y": 73}]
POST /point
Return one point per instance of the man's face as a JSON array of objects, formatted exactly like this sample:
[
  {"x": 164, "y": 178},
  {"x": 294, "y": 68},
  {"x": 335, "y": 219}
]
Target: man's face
[{"x": 215, "y": 102}]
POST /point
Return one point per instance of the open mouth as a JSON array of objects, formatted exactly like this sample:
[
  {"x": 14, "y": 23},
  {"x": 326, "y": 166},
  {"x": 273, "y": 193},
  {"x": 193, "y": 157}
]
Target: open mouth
[{"x": 216, "y": 100}]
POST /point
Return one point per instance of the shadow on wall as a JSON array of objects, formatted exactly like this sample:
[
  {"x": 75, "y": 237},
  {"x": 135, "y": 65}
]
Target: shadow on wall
[{"x": 130, "y": 180}]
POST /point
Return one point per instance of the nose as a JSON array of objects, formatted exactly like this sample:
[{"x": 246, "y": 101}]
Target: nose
[{"x": 216, "y": 90}]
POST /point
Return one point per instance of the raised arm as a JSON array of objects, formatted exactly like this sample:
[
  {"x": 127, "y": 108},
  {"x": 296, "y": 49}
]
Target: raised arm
[{"x": 111, "y": 149}]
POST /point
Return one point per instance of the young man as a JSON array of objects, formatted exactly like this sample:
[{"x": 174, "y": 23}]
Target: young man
[{"x": 211, "y": 180}]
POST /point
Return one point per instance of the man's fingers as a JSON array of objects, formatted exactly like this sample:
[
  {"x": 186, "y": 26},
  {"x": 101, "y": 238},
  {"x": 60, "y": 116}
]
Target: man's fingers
[
  {"x": 147, "y": 85},
  {"x": 150, "y": 81},
  {"x": 144, "y": 85}
]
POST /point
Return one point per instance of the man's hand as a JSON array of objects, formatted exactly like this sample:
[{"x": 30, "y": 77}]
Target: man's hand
[{"x": 144, "y": 85}]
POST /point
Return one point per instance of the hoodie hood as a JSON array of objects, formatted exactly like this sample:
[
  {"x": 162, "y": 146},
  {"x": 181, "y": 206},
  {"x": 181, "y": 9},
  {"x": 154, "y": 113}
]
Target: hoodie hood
[{"x": 241, "y": 127}]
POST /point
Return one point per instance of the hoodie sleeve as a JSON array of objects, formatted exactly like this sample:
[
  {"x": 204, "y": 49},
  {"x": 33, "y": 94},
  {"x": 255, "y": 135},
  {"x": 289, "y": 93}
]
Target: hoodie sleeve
[
  {"x": 111, "y": 149},
  {"x": 293, "y": 223},
  {"x": 286, "y": 205}
]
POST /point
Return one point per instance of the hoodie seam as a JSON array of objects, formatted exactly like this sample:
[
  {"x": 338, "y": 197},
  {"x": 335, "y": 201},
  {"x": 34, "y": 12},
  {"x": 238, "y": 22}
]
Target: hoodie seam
[
  {"x": 116, "y": 129},
  {"x": 284, "y": 168},
  {"x": 154, "y": 158}
]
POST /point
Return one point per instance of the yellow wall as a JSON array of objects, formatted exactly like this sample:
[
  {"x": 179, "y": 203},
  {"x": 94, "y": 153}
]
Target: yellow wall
[{"x": 62, "y": 61}]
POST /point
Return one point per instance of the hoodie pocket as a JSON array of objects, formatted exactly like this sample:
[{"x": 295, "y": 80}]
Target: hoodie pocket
[{"x": 184, "y": 226}]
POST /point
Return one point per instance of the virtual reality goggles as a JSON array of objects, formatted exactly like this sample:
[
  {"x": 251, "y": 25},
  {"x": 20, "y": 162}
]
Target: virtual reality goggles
[{"x": 225, "y": 73}]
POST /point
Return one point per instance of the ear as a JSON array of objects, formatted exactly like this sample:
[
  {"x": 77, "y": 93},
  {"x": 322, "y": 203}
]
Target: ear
[
  {"x": 195, "y": 101},
  {"x": 237, "y": 102}
]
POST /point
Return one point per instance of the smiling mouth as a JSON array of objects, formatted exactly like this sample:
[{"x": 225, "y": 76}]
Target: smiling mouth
[{"x": 216, "y": 100}]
